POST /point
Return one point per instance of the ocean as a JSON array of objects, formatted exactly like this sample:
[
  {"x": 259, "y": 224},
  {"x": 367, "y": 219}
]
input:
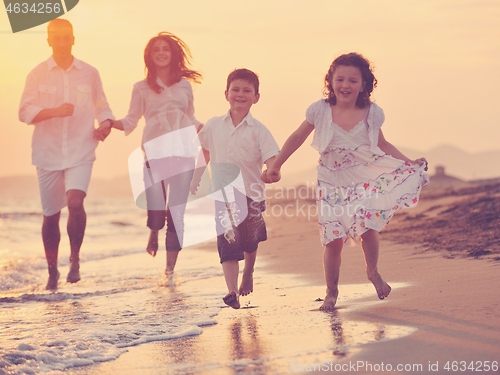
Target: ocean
[{"x": 124, "y": 300}]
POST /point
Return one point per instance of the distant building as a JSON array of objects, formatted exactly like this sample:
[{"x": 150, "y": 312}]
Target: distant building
[{"x": 442, "y": 179}]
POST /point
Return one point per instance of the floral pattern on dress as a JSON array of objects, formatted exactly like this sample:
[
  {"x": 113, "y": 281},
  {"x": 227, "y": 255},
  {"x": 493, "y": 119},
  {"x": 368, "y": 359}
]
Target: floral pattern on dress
[{"x": 349, "y": 206}]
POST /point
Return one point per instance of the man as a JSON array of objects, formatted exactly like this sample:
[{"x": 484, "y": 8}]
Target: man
[{"x": 62, "y": 98}]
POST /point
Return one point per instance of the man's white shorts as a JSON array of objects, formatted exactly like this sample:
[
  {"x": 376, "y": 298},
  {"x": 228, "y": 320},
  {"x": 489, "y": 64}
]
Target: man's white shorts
[{"x": 54, "y": 185}]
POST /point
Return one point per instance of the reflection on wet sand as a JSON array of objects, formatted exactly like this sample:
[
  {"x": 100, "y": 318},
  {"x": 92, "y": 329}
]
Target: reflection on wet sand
[
  {"x": 279, "y": 331},
  {"x": 245, "y": 341}
]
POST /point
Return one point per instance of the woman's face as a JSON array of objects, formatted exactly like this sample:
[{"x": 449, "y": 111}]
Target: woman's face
[{"x": 161, "y": 54}]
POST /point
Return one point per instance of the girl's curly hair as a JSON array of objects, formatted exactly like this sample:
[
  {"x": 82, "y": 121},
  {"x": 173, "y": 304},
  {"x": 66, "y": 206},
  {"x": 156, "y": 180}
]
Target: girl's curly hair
[
  {"x": 358, "y": 61},
  {"x": 178, "y": 66}
]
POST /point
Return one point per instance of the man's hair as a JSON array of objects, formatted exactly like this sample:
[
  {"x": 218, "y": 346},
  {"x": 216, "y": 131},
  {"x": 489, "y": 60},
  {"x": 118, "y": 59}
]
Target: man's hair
[
  {"x": 59, "y": 23},
  {"x": 246, "y": 75}
]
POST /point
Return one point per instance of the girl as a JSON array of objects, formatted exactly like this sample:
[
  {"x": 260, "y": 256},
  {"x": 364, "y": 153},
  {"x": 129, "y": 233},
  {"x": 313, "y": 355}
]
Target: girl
[
  {"x": 165, "y": 99},
  {"x": 362, "y": 178}
]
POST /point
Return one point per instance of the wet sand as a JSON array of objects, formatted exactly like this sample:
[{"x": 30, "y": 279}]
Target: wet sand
[{"x": 442, "y": 316}]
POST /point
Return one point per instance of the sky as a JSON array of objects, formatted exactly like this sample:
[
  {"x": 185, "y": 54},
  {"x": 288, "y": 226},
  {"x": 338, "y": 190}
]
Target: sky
[{"x": 437, "y": 63}]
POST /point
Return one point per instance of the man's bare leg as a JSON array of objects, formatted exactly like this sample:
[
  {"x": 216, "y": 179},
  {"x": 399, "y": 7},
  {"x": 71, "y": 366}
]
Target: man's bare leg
[
  {"x": 51, "y": 236},
  {"x": 370, "y": 246},
  {"x": 77, "y": 221},
  {"x": 171, "y": 261},
  {"x": 152, "y": 247},
  {"x": 231, "y": 270},
  {"x": 331, "y": 265},
  {"x": 246, "y": 286}
]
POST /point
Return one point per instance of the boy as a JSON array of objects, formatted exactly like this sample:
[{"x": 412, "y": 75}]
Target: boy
[{"x": 237, "y": 139}]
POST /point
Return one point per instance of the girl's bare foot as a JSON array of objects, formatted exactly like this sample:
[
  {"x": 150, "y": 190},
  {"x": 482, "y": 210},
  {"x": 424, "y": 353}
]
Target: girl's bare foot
[
  {"x": 152, "y": 247},
  {"x": 383, "y": 289},
  {"x": 330, "y": 300},
  {"x": 232, "y": 299},
  {"x": 246, "y": 286}
]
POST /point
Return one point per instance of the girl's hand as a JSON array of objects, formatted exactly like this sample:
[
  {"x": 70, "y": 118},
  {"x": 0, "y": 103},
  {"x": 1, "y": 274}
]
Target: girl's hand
[{"x": 421, "y": 161}]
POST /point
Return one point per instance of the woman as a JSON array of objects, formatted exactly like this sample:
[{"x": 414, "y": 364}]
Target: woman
[{"x": 165, "y": 99}]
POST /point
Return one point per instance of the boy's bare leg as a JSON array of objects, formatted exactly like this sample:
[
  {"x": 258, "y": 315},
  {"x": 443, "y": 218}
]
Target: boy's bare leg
[
  {"x": 370, "y": 246},
  {"x": 171, "y": 261},
  {"x": 51, "y": 236},
  {"x": 246, "y": 286},
  {"x": 77, "y": 221},
  {"x": 152, "y": 247},
  {"x": 231, "y": 270},
  {"x": 331, "y": 265}
]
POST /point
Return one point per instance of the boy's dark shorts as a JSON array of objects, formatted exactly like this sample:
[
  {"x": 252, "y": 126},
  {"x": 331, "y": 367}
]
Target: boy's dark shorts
[{"x": 247, "y": 234}]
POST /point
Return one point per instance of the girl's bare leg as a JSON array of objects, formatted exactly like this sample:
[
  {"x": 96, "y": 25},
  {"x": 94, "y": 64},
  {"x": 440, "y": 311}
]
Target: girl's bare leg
[
  {"x": 331, "y": 265},
  {"x": 370, "y": 246}
]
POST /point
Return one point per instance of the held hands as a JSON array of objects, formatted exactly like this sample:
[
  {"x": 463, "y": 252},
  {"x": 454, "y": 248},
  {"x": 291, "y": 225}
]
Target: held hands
[
  {"x": 102, "y": 132},
  {"x": 271, "y": 175}
]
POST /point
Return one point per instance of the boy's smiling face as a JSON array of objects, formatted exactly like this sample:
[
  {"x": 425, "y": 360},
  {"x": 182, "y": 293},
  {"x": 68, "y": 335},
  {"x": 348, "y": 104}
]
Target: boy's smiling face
[{"x": 241, "y": 95}]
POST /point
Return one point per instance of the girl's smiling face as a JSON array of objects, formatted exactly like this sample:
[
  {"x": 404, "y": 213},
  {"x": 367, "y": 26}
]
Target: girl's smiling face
[
  {"x": 161, "y": 54},
  {"x": 347, "y": 83}
]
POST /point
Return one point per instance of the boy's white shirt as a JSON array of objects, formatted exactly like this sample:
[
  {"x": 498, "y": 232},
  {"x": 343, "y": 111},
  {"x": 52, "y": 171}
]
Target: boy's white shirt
[{"x": 247, "y": 145}]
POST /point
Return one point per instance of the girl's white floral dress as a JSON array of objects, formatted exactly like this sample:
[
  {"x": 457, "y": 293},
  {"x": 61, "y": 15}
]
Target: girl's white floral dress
[{"x": 359, "y": 187}]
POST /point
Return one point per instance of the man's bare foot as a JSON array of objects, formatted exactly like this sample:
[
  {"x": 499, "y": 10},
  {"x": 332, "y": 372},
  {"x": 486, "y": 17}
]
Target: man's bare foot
[
  {"x": 52, "y": 281},
  {"x": 246, "y": 286},
  {"x": 330, "y": 300},
  {"x": 383, "y": 289},
  {"x": 232, "y": 299},
  {"x": 152, "y": 247},
  {"x": 74, "y": 273},
  {"x": 170, "y": 277}
]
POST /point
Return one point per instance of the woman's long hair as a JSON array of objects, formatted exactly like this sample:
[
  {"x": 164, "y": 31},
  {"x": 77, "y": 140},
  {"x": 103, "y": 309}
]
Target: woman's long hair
[{"x": 178, "y": 64}]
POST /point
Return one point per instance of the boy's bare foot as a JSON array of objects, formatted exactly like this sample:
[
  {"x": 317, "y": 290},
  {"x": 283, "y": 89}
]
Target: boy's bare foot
[
  {"x": 383, "y": 289},
  {"x": 232, "y": 299},
  {"x": 52, "y": 281},
  {"x": 330, "y": 300},
  {"x": 74, "y": 273},
  {"x": 246, "y": 286},
  {"x": 152, "y": 247}
]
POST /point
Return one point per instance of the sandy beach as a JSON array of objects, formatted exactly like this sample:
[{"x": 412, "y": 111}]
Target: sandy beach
[{"x": 441, "y": 317}]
